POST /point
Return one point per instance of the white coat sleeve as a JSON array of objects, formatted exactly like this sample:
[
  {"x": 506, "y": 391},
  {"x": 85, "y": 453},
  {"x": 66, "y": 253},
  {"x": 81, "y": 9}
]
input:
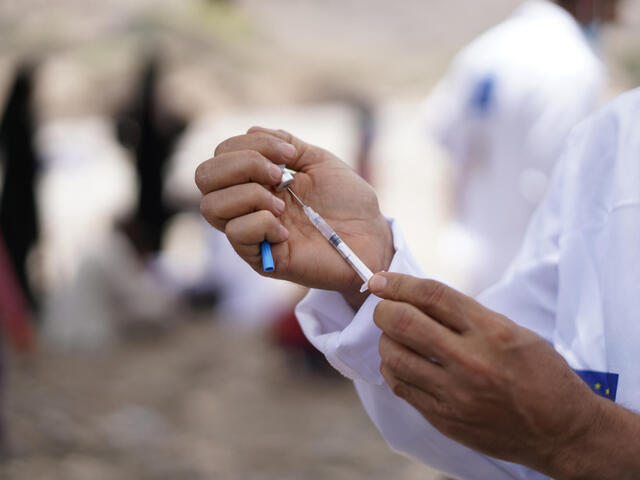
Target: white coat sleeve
[{"x": 350, "y": 344}]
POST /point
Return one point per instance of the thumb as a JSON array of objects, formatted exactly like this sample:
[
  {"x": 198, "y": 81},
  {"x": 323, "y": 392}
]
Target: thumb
[{"x": 440, "y": 302}]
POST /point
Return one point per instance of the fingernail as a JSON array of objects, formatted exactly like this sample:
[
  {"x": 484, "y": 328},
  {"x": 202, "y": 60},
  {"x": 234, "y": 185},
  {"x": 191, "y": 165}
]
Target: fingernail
[
  {"x": 278, "y": 204},
  {"x": 284, "y": 232},
  {"x": 288, "y": 150},
  {"x": 377, "y": 283},
  {"x": 275, "y": 172}
]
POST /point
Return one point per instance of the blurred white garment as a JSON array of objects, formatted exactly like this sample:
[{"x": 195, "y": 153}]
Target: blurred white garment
[
  {"x": 87, "y": 183},
  {"x": 503, "y": 112},
  {"x": 575, "y": 282},
  {"x": 112, "y": 292}
]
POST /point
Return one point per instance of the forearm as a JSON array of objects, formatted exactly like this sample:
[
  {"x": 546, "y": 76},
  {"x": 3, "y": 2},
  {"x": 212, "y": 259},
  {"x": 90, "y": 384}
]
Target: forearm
[{"x": 610, "y": 449}]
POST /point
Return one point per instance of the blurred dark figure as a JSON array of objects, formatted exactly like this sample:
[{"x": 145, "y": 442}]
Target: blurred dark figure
[
  {"x": 147, "y": 129},
  {"x": 15, "y": 326},
  {"x": 589, "y": 11},
  {"x": 18, "y": 211},
  {"x": 15, "y": 322},
  {"x": 366, "y": 136}
]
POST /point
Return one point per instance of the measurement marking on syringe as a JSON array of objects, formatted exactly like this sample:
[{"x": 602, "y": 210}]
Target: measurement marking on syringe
[
  {"x": 335, "y": 239},
  {"x": 327, "y": 232}
]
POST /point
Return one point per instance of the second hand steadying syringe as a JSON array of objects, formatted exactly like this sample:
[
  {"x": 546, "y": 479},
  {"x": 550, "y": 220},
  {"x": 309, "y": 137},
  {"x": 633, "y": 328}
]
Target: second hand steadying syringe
[{"x": 327, "y": 232}]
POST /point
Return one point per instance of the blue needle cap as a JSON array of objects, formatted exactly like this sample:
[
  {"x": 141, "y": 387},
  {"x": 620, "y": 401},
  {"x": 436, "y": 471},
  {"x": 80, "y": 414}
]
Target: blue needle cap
[{"x": 267, "y": 258}]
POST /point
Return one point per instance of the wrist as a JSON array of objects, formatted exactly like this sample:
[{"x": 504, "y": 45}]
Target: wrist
[
  {"x": 377, "y": 263},
  {"x": 607, "y": 448},
  {"x": 569, "y": 457}
]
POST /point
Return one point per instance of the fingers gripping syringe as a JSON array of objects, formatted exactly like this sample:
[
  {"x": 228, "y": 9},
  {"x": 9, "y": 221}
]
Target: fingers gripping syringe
[{"x": 327, "y": 232}]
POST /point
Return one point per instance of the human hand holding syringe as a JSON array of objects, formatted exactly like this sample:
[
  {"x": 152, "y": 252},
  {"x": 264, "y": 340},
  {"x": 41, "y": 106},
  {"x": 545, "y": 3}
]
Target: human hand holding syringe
[{"x": 238, "y": 200}]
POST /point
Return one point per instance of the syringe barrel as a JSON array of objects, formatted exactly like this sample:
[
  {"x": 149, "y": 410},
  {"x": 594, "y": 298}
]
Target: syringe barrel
[
  {"x": 352, "y": 259},
  {"x": 324, "y": 228}
]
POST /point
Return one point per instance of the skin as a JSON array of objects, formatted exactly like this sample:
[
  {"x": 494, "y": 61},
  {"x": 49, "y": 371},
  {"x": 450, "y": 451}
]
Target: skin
[
  {"x": 496, "y": 387},
  {"x": 237, "y": 200},
  {"x": 475, "y": 375}
]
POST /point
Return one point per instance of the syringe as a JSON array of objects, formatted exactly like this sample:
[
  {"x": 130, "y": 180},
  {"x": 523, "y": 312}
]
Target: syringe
[{"x": 327, "y": 232}]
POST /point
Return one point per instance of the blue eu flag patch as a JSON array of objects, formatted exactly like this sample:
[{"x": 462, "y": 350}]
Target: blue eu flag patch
[{"x": 604, "y": 384}]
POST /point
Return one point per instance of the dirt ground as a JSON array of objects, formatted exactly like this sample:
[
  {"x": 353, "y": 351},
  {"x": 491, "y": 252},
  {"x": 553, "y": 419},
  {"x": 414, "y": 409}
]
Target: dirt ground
[{"x": 198, "y": 402}]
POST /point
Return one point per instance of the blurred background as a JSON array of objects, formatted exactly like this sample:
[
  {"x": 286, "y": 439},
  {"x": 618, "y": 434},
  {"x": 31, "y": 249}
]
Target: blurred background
[{"x": 135, "y": 343}]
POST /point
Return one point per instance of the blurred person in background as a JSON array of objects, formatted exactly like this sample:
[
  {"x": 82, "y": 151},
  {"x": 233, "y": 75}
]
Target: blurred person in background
[
  {"x": 150, "y": 131},
  {"x": 15, "y": 325},
  {"x": 18, "y": 208},
  {"x": 503, "y": 112},
  {"x": 121, "y": 288},
  {"x": 18, "y": 220}
]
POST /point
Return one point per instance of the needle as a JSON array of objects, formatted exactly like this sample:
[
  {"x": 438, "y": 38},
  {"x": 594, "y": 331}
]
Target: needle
[{"x": 296, "y": 197}]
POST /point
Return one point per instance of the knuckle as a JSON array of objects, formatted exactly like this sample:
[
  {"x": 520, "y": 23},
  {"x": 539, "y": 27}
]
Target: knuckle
[
  {"x": 265, "y": 217},
  {"x": 474, "y": 367},
  {"x": 262, "y": 138},
  {"x": 258, "y": 133},
  {"x": 231, "y": 231},
  {"x": 450, "y": 427},
  {"x": 204, "y": 208},
  {"x": 398, "y": 388},
  {"x": 480, "y": 377},
  {"x": 207, "y": 208},
  {"x": 382, "y": 346},
  {"x": 261, "y": 196},
  {"x": 286, "y": 136},
  {"x": 379, "y": 313},
  {"x": 403, "y": 321},
  {"x": 256, "y": 160},
  {"x": 442, "y": 409},
  {"x": 504, "y": 334},
  {"x": 201, "y": 176},
  {"x": 221, "y": 148},
  {"x": 432, "y": 292},
  {"x": 396, "y": 362},
  {"x": 396, "y": 286}
]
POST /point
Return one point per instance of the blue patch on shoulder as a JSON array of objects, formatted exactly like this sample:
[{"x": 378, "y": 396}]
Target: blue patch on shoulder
[
  {"x": 483, "y": 94},
  {"x": 602, "y": 383}
]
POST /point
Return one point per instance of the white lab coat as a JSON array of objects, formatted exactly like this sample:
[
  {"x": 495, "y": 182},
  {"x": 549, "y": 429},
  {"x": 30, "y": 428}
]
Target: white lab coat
[
  {"x": 576, "y": 282},
  {"x": 503, "y": 112}
]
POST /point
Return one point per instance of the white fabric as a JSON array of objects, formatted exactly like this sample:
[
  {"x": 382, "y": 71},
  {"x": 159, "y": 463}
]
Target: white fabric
[
  {"x": 576, "y": 282},
  {"x": 540, "y": 78}
]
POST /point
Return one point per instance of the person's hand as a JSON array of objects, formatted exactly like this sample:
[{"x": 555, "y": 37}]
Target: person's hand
[
  {"x": 237, "y": 200},
  {"x": 483, "y": 380}
]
